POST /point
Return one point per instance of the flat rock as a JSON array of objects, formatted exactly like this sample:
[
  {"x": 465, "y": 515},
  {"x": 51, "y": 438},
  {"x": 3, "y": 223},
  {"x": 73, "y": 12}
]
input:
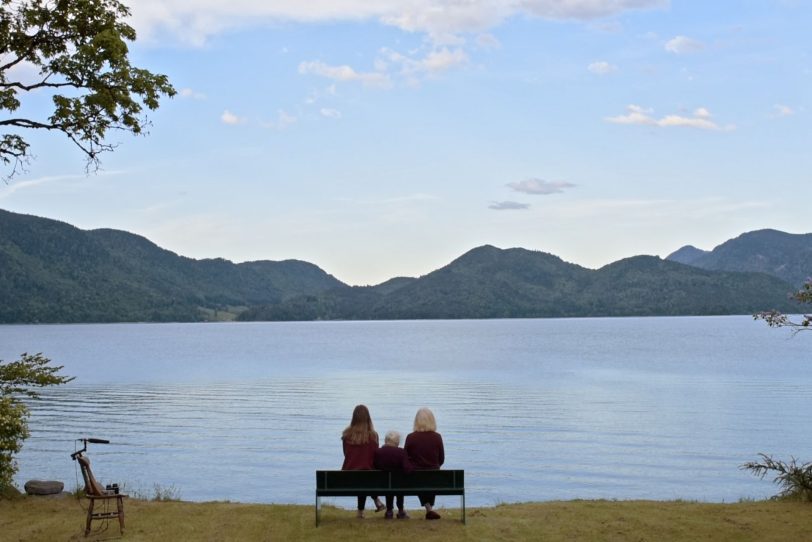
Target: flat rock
[{"x": 43, "y": 487}]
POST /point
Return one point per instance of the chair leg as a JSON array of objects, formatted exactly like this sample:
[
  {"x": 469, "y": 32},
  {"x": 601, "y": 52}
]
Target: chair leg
[
  {"x": 89, "y": 516},
  {"x": 120, "y": 508}
]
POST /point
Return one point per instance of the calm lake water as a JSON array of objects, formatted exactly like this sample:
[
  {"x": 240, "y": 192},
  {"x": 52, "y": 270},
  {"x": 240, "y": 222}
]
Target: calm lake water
[{"x": 539, "y": 409}]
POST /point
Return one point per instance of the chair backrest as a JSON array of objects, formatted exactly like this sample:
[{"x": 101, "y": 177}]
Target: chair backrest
[{"x": 92, "y": 486}]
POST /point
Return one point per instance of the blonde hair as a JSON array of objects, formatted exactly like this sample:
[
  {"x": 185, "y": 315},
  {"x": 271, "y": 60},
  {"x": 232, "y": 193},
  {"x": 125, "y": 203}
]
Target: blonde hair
[
  {"x": 424, "y": 420},
  {"x": 393, "y": 438},
  {"x": 360, "y": 430}
]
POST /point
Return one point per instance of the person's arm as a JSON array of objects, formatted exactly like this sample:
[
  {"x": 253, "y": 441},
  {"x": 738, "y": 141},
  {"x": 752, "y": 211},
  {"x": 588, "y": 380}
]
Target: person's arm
[
  {"x": 442, "y": 449},
  {"x": 406, "y": 465}
]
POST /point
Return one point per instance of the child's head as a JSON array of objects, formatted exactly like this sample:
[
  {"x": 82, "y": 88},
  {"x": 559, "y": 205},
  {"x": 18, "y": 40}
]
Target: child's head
[{"x": 392, "y": 438}]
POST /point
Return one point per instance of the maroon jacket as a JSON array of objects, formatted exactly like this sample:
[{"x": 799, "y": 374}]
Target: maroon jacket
[
  {"x": 392, "y": 458},
  {"x": 359, "y": 456},
  {"x": 425, "y": 450}
]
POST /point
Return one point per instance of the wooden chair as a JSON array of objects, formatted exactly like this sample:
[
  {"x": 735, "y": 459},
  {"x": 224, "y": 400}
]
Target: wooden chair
[{"x": 94, "y": 491}]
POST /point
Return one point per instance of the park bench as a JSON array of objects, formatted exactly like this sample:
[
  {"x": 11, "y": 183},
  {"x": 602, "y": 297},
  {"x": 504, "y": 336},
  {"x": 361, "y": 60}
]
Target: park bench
[{"x": 353, "y": 483}]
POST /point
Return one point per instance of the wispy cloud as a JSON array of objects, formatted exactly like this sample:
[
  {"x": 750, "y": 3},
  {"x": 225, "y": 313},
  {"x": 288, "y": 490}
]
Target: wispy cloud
[
  {"x": 601, "y": 67},
  {"x": 344, "y": 73},
  {"x": 413, "y": 67},
  {"x": 7, "y": 190},
  {"x": 283, "y": 120},
  {"x": 508, "y": 206},
  {"x": 189, "y": 93},
  {"x": 780, "y": 110},
  {"x": 683, "y": 44},
  {"x": 540, "y": 186},
  {"x": 230, "y": 118},
  {"x": 635, "y": 114},
  {"x": 487, "y": 40},
  {"x": 330, "y": 113}
]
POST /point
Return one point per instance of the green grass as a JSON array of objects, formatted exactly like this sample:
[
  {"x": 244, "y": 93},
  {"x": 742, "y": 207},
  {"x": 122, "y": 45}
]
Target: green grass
[{"x": 53, "y": 519}]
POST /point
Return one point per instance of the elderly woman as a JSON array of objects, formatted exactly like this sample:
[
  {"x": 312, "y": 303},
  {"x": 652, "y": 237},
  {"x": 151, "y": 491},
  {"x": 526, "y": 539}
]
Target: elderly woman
[
  {"x": 360, "y": 443},
  {"x": 424, "y": 446},
  {"x": 390, "y": 457}
]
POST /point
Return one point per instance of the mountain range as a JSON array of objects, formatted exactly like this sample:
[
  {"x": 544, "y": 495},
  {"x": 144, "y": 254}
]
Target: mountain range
[{"x": 51, "y": 271}]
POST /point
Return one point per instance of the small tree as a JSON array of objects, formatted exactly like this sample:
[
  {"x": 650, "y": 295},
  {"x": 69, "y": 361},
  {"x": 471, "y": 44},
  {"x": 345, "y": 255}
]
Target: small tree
[
  {"x": 76, "y": 52},
  {"x": 19, "y": 379},
  {"x": 794, "y": 480}
]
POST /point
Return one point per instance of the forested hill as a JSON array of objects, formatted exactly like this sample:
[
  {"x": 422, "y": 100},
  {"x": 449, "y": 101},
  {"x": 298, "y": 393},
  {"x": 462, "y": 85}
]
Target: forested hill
[
  {"x": 488, "y": 282},
  {"x": 53, "y": 272},
  {"x": 787, "y": 256}
]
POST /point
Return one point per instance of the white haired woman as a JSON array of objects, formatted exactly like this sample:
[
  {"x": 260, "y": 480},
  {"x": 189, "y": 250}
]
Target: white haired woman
[{"x": 424, "y": 446}]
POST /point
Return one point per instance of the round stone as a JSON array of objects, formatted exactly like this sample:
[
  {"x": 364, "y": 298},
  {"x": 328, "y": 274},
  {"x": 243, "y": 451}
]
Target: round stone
[{"x": 43, "y": 487}]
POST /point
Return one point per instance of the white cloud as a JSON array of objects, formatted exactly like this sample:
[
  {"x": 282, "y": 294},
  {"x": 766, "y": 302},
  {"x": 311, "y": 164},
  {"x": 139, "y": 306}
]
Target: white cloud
[
  {"x": 230, "y": 118},
  {"x": 441, "y": 20},
  {"x": 634, "y": 115},
  {"x": 683, "y": 44},
  {"x": 540, "y": 186},
  {"x": 508, "y": 206},
  {"x": 780, "y": 110},
  {"x": 601, "y": 67},
  {"x": 641, "y": 116},
  {"x": 344, "y": 74},
  {"x": 190, "y": 93},
  {"x": 330, "y": 113}
]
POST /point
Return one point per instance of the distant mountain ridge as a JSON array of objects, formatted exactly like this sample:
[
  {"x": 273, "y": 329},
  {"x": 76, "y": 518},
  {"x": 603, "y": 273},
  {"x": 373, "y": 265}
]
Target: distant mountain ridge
[
  {"x": 787, "y": 256},
  {"x": 51, "y": 271},
  {"x": 488, "y": 282}
]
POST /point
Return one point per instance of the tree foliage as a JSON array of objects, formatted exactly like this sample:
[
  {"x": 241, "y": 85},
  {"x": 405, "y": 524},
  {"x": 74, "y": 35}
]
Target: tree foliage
[
  {"x": 76, "y": 51},
  {"x": 18, "y": 379},
  {"x": 776, "y": 318}
]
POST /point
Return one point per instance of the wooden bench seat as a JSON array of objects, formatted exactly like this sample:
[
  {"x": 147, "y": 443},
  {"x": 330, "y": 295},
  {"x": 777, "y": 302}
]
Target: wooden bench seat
[{"x": 353, "y": 483}]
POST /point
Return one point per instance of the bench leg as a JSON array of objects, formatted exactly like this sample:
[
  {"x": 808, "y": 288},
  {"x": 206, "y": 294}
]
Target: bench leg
[
  {"x": 463, "y": 508},
  {"x": 317, "y": 511}
]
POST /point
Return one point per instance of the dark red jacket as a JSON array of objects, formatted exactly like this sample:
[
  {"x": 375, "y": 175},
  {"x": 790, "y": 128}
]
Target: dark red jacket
[
  {"x": 393, "y": 459},
  {"x": 359, "y": 456},
  {"x": 425, "y": 450}
]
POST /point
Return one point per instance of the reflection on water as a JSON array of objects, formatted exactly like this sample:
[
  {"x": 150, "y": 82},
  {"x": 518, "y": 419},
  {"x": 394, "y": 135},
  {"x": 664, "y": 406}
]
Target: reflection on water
[{"x": 528, "y": 419}]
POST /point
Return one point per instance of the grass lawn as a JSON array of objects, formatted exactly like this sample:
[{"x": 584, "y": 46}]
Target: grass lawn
[{"x": 62, "y": 518}]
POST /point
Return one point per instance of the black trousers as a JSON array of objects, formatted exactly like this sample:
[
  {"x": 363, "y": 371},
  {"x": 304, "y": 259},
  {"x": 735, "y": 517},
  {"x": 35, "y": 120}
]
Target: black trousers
[
  {"x": 363, "y": 499},
  {"x": 390, "y": 498}
]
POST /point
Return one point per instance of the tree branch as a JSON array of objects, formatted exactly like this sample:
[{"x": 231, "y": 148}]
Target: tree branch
[{"x": 27, "y": 123}]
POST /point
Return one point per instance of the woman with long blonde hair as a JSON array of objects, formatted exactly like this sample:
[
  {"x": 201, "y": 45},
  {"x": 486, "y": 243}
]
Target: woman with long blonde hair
[
  {"x": 424, "y": 446},
  {"x": 360, "y": 442}
]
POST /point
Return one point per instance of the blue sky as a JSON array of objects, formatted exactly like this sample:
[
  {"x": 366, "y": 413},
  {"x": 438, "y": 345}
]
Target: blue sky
[{"x": 379, "y": 139}]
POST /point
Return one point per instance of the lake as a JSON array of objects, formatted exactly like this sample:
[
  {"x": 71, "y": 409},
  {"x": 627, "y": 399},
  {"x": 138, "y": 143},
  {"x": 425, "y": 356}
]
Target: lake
[{"x": 533, "y": 410}]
